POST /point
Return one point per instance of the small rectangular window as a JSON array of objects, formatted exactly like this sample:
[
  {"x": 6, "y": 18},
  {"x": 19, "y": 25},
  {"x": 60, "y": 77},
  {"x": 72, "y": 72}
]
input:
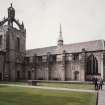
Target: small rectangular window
[
  {"x": 31, "y": 59},
  {"x": 54, "y": 58},
  {"x": 27, "y": 59},
  {"x": 44, "y": 58},
  {"x": 59, "y": 57},
  {"x": 75, "y": 56},
  {"x": 39, "y": 59}
]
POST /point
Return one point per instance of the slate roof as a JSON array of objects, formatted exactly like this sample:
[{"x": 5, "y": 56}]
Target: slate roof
[{"x": 69, "y": 48}]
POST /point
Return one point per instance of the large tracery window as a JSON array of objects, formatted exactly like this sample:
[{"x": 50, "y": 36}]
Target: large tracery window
[{"x": 92, "y": 65}]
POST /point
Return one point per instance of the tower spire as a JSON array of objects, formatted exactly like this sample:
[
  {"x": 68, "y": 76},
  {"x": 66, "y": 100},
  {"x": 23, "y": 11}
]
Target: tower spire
[
  {"x": 60, "y": 33},
  {"x": 60, "y": 30},
  {"x": 60, "y": 39},
  {"x": 11, "y": 4}
]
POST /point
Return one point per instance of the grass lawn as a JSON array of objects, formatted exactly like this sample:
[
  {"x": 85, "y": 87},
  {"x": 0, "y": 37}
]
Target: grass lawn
[
  {"x": 27, "y": 96},
  {"x": 72, "y": 86}
]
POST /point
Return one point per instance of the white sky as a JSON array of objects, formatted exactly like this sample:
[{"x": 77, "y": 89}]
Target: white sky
[{"x": 82, "y": 20}]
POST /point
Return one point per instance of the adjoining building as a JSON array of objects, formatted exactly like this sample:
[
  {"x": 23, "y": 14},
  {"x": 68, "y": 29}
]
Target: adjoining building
[{"x": 65, "y": 62}]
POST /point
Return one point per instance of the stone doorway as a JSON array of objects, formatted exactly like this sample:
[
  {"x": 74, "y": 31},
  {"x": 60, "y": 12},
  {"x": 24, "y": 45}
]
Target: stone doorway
[
  {"x": 76, "y": 75},
  {"x": 29, "y": 74},
  {"x": 18, "y": 75},
  {"x": 0, "y": 76}
]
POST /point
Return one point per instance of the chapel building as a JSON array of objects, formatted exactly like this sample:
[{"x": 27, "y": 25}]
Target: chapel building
[{"x": 64, "y": 62}]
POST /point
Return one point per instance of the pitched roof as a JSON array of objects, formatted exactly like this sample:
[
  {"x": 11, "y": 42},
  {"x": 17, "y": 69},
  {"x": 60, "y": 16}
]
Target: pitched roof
[{"x": 69, "y": 48}]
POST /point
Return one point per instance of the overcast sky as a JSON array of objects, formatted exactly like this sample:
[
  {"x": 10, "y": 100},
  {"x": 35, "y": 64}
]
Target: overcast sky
[{"x": 82, "y": 20}]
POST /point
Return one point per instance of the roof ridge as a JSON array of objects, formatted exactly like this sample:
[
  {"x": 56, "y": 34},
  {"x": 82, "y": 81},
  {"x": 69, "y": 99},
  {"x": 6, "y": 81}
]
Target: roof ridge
[
  {"x": 40, "y": 48},
  {"x": 67, "y": 44},
  {"x": 73, "y": 47},
  {"x": 84, "y": 42}
]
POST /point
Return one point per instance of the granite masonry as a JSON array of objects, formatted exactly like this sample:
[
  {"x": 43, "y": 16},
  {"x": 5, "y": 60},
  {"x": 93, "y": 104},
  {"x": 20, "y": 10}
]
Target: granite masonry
[{"x": 65, "y": 62}]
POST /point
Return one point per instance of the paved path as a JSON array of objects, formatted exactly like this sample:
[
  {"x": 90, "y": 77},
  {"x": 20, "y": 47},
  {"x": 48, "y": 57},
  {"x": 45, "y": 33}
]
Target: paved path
[
  {"x": 50, "y": 88},
  {"x": 101, "y": 96}
]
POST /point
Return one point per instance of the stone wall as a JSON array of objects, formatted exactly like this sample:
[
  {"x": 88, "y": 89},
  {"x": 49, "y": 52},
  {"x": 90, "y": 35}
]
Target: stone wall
[
  {"x": 14, "y": 58},
  {"x": 71, "y": 70}
]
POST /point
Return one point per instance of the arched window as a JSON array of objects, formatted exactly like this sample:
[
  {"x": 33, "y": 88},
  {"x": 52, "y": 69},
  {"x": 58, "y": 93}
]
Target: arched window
[
  {"x": 92, "y": 65},
  {"x": 18, "y": 44}
]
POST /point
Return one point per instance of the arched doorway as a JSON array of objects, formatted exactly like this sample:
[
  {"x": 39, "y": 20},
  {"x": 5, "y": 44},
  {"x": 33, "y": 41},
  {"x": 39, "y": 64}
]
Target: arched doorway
[
  {"x": 0, "y": 76},
  {"x": 29, "y": 74},
  {"x": 92, "y": 65},
  {"x": 76, "y": 75},
  {"x": 18, "y": 75}
]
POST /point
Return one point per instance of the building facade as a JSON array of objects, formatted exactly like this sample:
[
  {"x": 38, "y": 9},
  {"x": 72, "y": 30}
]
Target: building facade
[
  {"x": 12, "y": 47},
  {"x": 65, "y": 62}
]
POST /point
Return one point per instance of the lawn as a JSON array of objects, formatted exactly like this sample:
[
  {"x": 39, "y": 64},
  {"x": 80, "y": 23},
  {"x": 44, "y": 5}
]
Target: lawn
[
  {"x": 27, "y": 96},
  {"x": 71, "y": 86}
]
